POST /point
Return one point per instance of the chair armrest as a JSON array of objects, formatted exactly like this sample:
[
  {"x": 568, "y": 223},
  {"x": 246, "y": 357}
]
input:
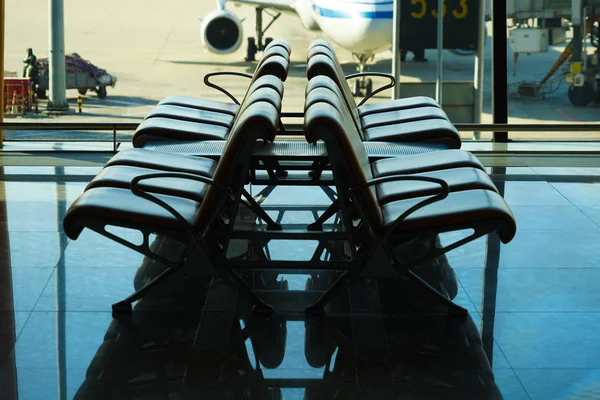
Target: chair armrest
[
  {"x": 381, "y": 89},
  {"x": 445, "y": 190},
  {"x": 135, "y": 189},
  {"x": 208, "y": 83}
]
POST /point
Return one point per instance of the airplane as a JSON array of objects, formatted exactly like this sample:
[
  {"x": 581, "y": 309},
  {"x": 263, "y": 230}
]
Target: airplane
[{"x": 363, "y": 27}]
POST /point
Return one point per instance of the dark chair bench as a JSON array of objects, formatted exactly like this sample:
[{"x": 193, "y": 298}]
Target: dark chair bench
[
  {"x": 193, "y": 127},
  {"x": 190, "y": 200},
  {"x": 279, "y": 49},
  {"x": 397, "y": 120},
  {"x": 386, "y": 208},
  {"x": 189, "y": 118}
]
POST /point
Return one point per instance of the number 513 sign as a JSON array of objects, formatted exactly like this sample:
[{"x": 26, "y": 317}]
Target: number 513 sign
[{"x": 418, "y": 21}]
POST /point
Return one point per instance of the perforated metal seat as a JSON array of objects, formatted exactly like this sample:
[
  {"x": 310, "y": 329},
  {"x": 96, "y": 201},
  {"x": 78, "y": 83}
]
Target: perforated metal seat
[
  {"x": 271, "y": 72},
  {"x": 438, "y": 131},
  {"x": 320, "y": 46},
  {"x": 159, "y": 128},
  {"x": 274, "y": 61}
]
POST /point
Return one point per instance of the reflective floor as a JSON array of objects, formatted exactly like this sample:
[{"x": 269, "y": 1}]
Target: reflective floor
[{"x": 532, "y": 330}]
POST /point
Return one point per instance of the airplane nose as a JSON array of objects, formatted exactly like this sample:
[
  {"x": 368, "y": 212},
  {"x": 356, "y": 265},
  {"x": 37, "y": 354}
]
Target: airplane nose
[{"x": 362, "y": 35}]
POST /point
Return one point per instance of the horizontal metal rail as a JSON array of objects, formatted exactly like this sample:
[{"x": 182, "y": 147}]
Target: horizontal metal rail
[
  {"x": 68, "y": 126},
  {"x": 132, "y": 126}
]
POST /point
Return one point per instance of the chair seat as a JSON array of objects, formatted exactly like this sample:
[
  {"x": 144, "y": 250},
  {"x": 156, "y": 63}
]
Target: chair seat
[
  {"x": 401, "y": 116},
  {"x": 120, "y": 176},
  {"x": 432, "y": 130},
  {"x": 483, "y": 209},
  {"x": 191, "y": 115},
  {"x": 154, "y": 129},
  {"x": 164, "y": 161},
  {"x": 201, "y": 104},
  {"x": 396, "y": 105},
  {"x": 458, "y": 179},
  {"x": 122, "y": 208},
  {"x": 424, "y": 162}
]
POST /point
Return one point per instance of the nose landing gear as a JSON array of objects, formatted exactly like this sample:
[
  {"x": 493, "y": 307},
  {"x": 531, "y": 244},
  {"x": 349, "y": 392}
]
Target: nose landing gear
[
  {"x": 363, "y": 83},
  {"x": 255, "y": 44}
]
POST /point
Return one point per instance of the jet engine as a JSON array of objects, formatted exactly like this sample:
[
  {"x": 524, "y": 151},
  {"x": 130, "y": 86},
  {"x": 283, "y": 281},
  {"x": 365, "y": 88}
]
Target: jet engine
[{"x": 221, "y": 32}]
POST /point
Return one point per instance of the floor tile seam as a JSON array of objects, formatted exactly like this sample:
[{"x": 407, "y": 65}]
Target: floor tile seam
[
  {"x": 571, "y": 204},
  {"x": 502, "y": 267},
  {"x": 100, "y": 267},
  {"x": 43, "y": 289},
  {"x": 594, "y": 229},
  {"x": 521, "y": 383},
  {"x": 72, "y": 312},
  {"x": 574, "y": 205},
  {"x": 501, "y": 311},
  {"x": 35, "y": 231},
  {"x": 24, "y": 324},
  {"x": 468, "y": 296},
  {"x": 584, "y": 213},
  {"x": 547, "y": 312},
  {"x": 561, "y": 193},
  {"x": 553, "y": 368},
  {"x": 17, "y": 335},
  {"x": 503, "y": 355}
]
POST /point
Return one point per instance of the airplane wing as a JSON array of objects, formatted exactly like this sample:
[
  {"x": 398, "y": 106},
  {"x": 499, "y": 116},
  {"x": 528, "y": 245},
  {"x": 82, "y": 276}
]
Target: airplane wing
[{"x": 282, "y": 5}]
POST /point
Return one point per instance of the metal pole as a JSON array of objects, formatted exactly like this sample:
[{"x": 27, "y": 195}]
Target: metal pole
[
  {"x": 58, "y": 92},
  {"x": 577, "y": 65},
  {"x": 479, "y": 69},
  {"x": 2, "y": 35},
  {"x": 490, "y": 279},
  {"x": 440, "y": 52},
  {"x": 396, "y": 60},
  {"x": 8, "y": 334},
  {"x": 61, "y": 290},
  {"x": 499, "y": 69}
]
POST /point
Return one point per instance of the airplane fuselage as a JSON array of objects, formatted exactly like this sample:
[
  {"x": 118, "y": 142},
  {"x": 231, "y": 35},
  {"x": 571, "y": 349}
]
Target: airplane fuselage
[{"x": 360, "y": 26}]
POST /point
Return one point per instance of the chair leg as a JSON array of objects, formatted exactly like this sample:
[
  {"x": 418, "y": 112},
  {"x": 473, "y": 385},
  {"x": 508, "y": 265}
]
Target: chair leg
[
  {"x": 330, "y": 212},
  {"x": 453, "y": 308},
  {"x": 260, "y": 307},
  {"x": 262, "y": 214},
  {"x": 125, "y": 305},
  {"x": 319, "y": 306}
]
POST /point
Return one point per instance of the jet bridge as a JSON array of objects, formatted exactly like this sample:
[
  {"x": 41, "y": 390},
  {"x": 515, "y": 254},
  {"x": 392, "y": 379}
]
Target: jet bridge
[{"x": 539, "y": 24}]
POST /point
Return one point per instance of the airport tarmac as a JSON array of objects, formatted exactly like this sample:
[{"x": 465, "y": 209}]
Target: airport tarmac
[{"x": 153, "y": 48}]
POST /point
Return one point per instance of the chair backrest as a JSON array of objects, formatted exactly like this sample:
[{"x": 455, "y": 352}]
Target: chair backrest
[
  {"x": 275, "y": 60},
  {"x": 279, "y": 43},
  {"x": 275, "y": 63},
  {"x": 256, "y": 121},
  {"x": 267, "y": 81},
  {"x": 316, "y": 43},
  {"x": 328, "y": 119},
  {"x": 327, "y": 65},
  {"x": 326, "y": 87},
  {"x": 271, "y": 84}
]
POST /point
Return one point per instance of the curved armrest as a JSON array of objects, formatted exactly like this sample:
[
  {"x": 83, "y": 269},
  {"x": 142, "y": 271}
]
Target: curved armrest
[
  {"x": 381, "y": 89},
  {"x": 208, "y": 83},
  {"x": 135, "y": 188},
  {"x": 445, "y": 189}
]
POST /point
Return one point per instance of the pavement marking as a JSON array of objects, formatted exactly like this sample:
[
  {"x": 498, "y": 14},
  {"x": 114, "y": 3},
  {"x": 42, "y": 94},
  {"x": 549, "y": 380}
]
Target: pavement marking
[
  {"x": 567, "y": 116},
  {"x": 570, "y": 118}
]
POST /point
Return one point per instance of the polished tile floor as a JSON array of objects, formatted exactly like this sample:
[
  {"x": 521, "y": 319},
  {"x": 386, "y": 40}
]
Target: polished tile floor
[{"x": 532, "y": 332}]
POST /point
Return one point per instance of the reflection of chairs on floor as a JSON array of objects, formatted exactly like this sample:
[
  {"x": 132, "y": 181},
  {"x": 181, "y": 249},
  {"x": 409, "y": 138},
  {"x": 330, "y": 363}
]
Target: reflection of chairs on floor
[
  {"x": 426, "y": 358},
  {"x": 152, "y": 356}
]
